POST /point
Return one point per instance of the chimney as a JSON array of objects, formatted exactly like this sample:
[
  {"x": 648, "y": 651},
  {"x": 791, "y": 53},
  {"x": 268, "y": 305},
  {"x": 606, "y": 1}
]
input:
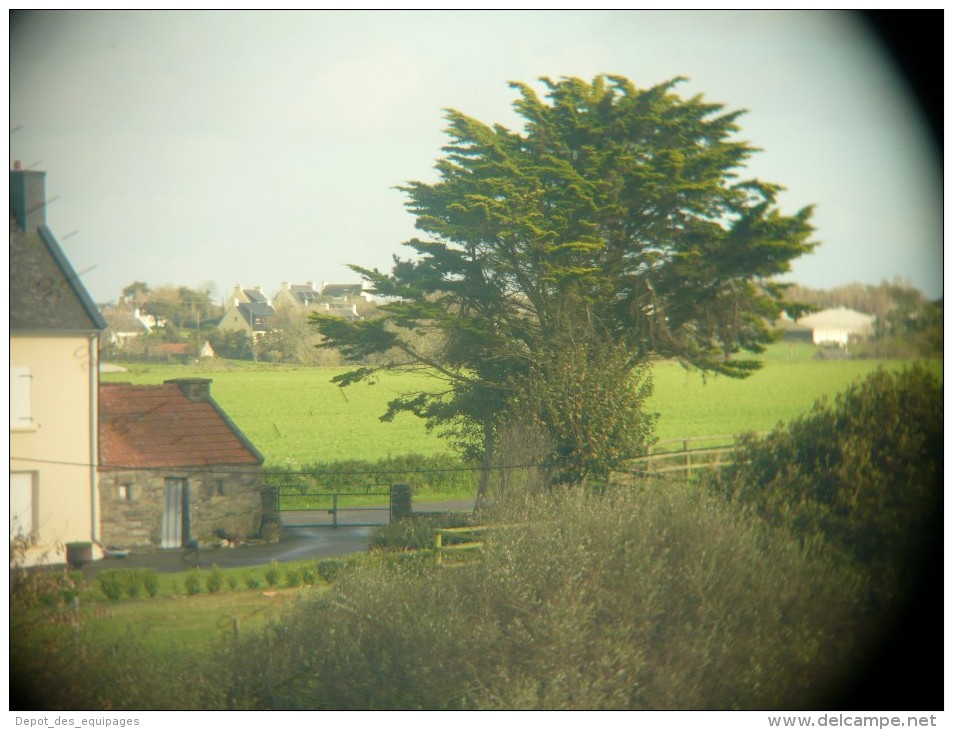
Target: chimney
[
  {"x": 27, "y": 198},
  {"x": 197, "y": 390}
]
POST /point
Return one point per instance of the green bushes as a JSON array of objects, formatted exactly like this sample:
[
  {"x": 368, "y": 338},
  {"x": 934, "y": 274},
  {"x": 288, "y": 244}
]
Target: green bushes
[
  {"x": 864, "y": 471},
  {"x": 115, "y": 584},
  {"x": 415, "y": 533},
  {"x": 442, "y": 474},
  {"x": 662, "y": 598}
]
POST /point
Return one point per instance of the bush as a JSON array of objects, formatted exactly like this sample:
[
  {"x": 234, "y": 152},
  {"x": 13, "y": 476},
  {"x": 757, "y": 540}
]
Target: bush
[
  {"x": 273, "y": 574},
  {"x": 150, "y": 581},
  {"x": 664, "y": 598},
  {"x": 111, "y": 583},
  {"x": 232, "y": 581},
  {"x": 251, "y": 581},
  {"x": 215, "y": 580},
  {"x": 329, "y": 570},
  {"x": 416, "y": 533},
  {"x": 864, "y": 471},
  {"x": 193, "y": 581},
  {"x": 443, "y": 474},
  {"x": 292, "y": 577},
  {"x": 131, "y": 583},
  {"x": 309, "y": 575}
]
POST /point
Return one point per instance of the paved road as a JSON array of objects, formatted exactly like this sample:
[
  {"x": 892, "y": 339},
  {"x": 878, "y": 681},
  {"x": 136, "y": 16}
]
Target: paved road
[{"x": 297, "y": 543}]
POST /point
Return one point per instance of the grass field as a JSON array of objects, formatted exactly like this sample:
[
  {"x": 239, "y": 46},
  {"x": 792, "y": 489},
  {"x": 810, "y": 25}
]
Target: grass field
[{"x": 296, "y": 416}]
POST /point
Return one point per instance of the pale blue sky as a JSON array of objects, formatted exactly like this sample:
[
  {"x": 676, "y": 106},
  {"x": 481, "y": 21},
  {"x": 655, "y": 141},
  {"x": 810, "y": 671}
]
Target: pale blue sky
[{"x": 261, "y": 147}]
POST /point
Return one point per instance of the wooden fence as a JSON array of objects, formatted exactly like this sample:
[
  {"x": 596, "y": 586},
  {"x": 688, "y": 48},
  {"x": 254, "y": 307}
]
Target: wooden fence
[
  {"x": 472, "y": 540},
  {"x": 686, "y": 456}
]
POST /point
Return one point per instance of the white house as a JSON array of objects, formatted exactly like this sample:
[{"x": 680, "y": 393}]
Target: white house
[{"x": 838, "y": 326}]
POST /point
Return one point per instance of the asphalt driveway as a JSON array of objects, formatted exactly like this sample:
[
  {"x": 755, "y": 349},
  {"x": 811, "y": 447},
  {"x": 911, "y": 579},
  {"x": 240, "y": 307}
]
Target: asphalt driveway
[{"x": 307, "y": 536}]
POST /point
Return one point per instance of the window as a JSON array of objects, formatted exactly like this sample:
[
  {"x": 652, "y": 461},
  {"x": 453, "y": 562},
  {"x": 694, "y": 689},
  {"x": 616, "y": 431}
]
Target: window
[
  {"x": 220, "y": 487},
  {"x": 21, "y": 408},
  {"x": 124, "y": 492}
]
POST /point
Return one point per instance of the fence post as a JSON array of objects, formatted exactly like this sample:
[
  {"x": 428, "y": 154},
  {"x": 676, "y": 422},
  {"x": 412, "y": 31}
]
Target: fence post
[
  {"x": 437, "y": 545},
  {"x": 334, "y": 510},
  {"x": 401, "y": 501}
]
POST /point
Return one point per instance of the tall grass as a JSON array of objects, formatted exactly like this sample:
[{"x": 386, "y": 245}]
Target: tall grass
[{"x": 659, "y": 598}]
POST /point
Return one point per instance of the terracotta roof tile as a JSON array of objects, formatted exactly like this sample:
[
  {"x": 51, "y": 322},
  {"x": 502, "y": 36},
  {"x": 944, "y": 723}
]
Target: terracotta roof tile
[{"x": 148, "y": 426}]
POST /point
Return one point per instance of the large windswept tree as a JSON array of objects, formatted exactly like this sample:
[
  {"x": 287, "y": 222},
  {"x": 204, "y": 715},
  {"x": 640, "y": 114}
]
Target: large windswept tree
[{"x": 559, "y": 259}]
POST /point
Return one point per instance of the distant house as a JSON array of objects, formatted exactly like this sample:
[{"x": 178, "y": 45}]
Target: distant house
[
  {"x": 838, "y": 326},
  {"x": 125, "y": 323},
  {"x": 345, "y": 293},
  {"x": 173, "y": 466},
  {"x": 55, "y": 331},
  {"x": 301, "y": 296},
  {"x": 248, "y": 311}
]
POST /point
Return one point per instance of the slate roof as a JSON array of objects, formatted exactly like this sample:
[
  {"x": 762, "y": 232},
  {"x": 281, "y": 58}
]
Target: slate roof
[
  {"x": 305, "y": 293},
  {"x": 256, "y": 310},
  {"x": 342, "y": 290},
  {"x": 154, "y": 426},
  {"x": 45, "y": 292},
  {"x": 255, "y": 296}
]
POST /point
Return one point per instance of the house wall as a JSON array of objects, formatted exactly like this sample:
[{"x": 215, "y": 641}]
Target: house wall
[
  {"x": 285, "y": 298},
  {"x": 233, "y": 320},
  {"x": 227, "y": 498},
  {"x": 57, "y": 445},
  {"x": 831, "y": 336}
]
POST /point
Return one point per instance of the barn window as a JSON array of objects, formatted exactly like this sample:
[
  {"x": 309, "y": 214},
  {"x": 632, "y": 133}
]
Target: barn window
[
  {"x": 220, "y": 487},
  {"x": 124, "y": 492}
]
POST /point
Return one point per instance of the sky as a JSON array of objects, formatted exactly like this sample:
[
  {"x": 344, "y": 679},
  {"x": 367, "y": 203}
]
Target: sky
[{"x": 210, "y": 148}]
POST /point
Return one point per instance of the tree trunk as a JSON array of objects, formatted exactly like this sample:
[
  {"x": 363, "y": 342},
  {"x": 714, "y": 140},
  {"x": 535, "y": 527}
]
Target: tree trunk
[{"x": 488, "y": 449}]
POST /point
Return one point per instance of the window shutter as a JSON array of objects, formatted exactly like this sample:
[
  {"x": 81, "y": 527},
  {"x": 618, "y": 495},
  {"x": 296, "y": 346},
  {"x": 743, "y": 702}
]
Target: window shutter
[{"x": 21, "y": 409}]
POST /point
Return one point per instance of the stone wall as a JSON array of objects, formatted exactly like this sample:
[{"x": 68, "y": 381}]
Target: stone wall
[{"x": 132, "y": 502}]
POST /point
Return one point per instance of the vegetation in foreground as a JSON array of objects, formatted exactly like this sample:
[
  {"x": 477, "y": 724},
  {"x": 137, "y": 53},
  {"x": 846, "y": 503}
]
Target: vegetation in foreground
[{"x": 773, "y": 587}]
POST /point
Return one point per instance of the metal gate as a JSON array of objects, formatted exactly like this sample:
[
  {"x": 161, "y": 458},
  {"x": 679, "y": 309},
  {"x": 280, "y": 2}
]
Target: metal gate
[{"x": 363, "y": 507}]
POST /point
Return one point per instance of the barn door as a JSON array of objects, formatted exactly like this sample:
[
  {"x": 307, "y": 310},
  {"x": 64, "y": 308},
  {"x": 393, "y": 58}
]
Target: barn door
[{"x": 175, "y": 513}]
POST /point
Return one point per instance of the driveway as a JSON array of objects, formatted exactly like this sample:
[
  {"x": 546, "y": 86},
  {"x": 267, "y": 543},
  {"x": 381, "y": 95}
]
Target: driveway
[{"x": 307, "y": 541}]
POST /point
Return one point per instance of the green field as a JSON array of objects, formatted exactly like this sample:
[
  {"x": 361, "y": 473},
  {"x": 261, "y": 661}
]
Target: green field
[{"x": 296, "y": 416}]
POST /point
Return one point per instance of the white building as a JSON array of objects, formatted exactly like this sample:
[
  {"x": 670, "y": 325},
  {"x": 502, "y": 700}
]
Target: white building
[{"x": 838, "y": 326}]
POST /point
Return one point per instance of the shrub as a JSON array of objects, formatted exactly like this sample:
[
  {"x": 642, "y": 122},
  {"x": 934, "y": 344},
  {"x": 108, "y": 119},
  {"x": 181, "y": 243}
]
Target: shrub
[
  {"x": 111, "y": 584},
  {"x": 193, "y": 581},
  {"x": 292, "y": 577},
  {"x": 329, "y": 569},
  {"x": 215, "y": 579},
  {"x": 309, "y": 575},
  {"x": 864, "y": 471},
  {"x": 251, "y": 581},
  {"x": 660, "y": 598},
  {"x": 131, "y": 583},
  {"x": 416, "y": 533},
  {"x": 150, "y": 581},
  {"x": 273, "y": 574},
  {"x": 232, "y": 581}
]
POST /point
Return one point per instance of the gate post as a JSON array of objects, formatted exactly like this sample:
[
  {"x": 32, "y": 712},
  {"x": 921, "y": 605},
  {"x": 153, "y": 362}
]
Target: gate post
[
  {"x": 270, "y": 514},
  {"x": 401, "y": 501}
]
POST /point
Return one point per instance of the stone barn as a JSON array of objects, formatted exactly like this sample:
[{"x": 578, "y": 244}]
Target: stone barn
[{"x": 173, "y": 467}]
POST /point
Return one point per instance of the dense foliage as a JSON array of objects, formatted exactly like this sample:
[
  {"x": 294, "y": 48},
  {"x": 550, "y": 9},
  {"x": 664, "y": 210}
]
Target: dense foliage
[
  {"x": 615, "y": 219},
  {"x": 865, "y": 471},
  {"x": 665, "y": 598}
]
